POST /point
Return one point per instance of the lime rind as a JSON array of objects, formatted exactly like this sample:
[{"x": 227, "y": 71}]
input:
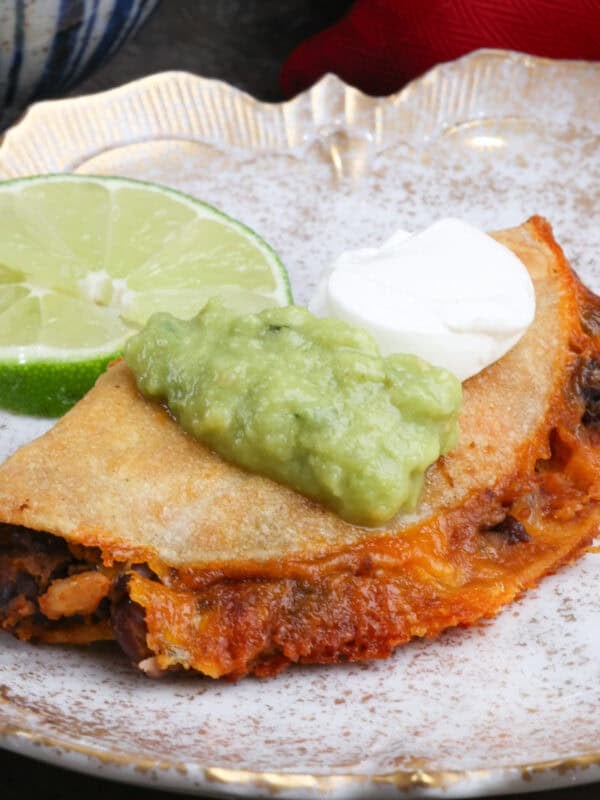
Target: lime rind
[{"x": 46, "y": 389}]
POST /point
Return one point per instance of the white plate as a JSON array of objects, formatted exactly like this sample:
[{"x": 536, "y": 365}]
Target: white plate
[{"x": 511, "y": 705}]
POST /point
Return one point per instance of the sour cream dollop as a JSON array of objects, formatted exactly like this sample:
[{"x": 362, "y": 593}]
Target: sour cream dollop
[{"x": 450, "y": 294}]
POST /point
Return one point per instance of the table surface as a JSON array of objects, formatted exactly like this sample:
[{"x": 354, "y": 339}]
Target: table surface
[{"x": 244, "y": 43}]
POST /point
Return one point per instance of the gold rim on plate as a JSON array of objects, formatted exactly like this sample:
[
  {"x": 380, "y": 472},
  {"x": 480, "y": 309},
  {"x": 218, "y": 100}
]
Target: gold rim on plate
[{"x": 55, "y": 136}]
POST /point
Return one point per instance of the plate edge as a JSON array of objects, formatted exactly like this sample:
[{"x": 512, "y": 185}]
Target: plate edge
[{"x": 187, "y": 106}]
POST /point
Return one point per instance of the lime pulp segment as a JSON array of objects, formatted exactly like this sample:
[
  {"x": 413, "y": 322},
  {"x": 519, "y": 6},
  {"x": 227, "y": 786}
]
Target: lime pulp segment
[{"x": 84, "y": 261}]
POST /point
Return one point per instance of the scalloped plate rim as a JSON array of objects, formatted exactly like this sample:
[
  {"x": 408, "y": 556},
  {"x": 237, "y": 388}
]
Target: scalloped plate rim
[{"x": 578, "y": 769}]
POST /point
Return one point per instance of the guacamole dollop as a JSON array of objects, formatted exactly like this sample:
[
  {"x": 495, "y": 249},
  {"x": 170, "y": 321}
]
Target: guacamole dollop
[{"x": 308, "y": 402}]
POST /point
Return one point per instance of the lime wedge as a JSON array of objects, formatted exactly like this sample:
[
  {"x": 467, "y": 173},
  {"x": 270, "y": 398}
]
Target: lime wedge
[{"x": 84, "y": 261}]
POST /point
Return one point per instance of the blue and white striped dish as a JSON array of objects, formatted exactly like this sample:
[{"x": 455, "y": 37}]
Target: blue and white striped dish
[{"x": 48, "y": 46}]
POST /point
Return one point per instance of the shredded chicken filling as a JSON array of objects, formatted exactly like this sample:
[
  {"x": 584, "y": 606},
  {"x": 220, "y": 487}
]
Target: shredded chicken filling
[
  {"x": 46, "y": 587},
  {"x": 51, "y": 591}
]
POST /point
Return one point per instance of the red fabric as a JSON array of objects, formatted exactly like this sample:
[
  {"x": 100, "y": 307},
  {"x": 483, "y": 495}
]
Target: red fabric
[{"x": 381, "y": 44}]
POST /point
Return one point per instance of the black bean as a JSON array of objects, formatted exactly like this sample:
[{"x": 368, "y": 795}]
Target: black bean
[
  {"x": 129, "y": 624},
  {"x": 588, "y": 381},
  {"x": 24, "y": 540},
  {"x": 513, "y": 530},
  {"x": 10, "y": 588}
]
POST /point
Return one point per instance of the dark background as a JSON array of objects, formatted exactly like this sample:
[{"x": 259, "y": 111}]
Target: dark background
[{"x": 243, "y": 42}]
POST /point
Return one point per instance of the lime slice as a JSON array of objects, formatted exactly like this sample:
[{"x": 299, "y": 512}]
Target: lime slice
[{"x": 84, "y": 261}]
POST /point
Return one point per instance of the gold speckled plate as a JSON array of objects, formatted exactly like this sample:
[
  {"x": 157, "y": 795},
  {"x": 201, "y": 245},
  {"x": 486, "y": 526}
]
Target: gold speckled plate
[{"x": 509, "y": 706}]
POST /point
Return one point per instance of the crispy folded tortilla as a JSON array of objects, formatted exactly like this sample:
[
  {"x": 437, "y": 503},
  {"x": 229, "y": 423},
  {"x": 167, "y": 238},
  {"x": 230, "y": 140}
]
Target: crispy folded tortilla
[{"x": 117, "y": 524}]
